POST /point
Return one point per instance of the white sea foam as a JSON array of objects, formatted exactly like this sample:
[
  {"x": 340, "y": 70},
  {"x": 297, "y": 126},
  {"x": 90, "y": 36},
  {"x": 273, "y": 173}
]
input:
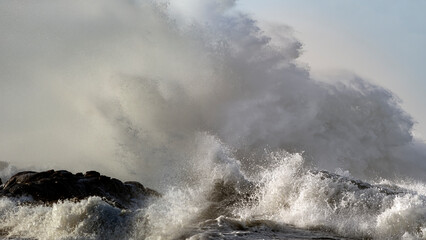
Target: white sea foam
[
  {"x": 284, "y": 195},
  {"x": 291, "y": 194},
  {"x": 88, "y": 219}
]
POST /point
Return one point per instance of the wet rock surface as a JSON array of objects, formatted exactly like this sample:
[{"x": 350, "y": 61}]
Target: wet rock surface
[
  {"x": 51, "y": 186},
  {"x": 358, "y": 184}
]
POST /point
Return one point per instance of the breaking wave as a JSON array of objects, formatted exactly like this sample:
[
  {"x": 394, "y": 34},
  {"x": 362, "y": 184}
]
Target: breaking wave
[
  {"x": 207, "y": 107},
  {"x": 286, "y": 200}
]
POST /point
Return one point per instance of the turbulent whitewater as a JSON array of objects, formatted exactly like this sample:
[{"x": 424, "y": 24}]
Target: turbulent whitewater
[{"x": 195, "y": 100}]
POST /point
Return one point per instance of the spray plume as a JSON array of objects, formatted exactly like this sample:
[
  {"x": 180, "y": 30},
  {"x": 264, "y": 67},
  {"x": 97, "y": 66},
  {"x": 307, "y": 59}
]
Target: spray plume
[{"x": 130, "y": 87}]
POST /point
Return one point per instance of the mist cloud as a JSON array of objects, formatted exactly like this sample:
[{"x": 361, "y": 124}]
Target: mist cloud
[{"x": 125, "y": 87}]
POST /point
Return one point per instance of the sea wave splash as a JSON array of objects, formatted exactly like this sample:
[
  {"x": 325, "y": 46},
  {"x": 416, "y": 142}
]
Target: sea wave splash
[
  {"x": 287, "y": 200},
  {"x": 129, "y": 85},
  {"x": 186, "y": 101}
]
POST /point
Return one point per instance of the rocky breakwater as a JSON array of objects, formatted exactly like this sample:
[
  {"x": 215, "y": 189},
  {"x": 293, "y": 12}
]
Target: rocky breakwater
[{"x": 52, "y": 186}]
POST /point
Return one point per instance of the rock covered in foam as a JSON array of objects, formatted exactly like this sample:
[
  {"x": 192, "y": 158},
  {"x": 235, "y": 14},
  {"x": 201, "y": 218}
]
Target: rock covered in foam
[{"x": 52, "y": 186}]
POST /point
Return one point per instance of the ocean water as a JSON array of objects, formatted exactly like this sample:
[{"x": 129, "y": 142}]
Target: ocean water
[
  {"x": 286, "y": 201},
  {"x": 213, "y": 109}
]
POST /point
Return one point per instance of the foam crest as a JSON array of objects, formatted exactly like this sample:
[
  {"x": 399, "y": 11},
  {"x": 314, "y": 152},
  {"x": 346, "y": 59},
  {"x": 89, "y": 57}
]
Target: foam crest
[
  {"x": 91, "y": 218},
  {"x": 292, "y": 194},
  {"x": 188, "y": 202}
]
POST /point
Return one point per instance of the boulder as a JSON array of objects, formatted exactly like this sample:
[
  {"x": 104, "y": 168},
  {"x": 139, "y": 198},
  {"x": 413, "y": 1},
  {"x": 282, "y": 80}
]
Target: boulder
[{"x": 52, "y": 186}]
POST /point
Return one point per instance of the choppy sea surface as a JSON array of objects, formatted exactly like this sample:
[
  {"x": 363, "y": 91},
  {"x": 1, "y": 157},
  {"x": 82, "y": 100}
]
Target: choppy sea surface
[{"x": 286, "y": 201}]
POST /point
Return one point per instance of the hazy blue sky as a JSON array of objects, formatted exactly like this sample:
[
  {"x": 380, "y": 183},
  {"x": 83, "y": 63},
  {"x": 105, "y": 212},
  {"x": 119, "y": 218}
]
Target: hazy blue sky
[{"x": 381, "y": 40}]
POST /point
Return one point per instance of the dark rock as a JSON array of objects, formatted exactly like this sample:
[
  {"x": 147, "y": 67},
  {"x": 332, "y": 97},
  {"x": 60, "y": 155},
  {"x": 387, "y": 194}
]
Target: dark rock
[
  {"x": 51, "y": 186},
  {"x": 138, "y": 187},
  {"x": 92, "y": 174},
  {"x": 360, "y": 185}
]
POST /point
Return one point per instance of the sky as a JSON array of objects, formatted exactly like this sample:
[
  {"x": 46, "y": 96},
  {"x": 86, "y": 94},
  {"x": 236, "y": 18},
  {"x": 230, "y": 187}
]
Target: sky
[{"x": 382, "y": 41}]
